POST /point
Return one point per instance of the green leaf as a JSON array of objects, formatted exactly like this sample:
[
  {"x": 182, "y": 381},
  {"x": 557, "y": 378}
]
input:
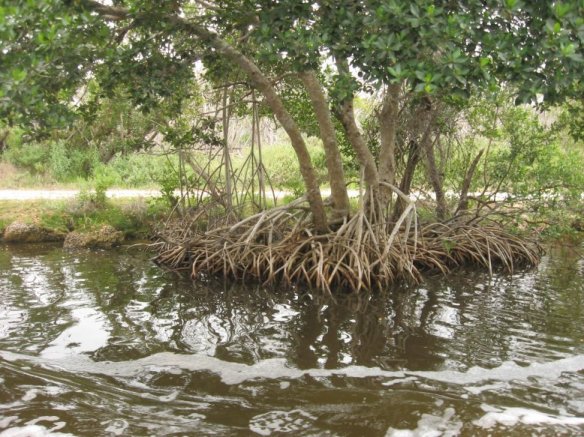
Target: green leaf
[
  {"x": 18, "y": 75},
  {"x": 421, "y": 76},
  {"x": 562, "y": 9},
  {"x": 420, "y": 87},
  {"x": 415, "y": 10},
  {"x": 568, "y": 50}
]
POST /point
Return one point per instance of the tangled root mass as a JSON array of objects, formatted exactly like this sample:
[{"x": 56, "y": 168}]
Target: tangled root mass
[{"x": 362, "y": 253}]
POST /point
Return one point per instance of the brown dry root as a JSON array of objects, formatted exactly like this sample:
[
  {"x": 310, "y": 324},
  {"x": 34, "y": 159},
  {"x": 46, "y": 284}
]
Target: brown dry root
[
  {"x": 364, "y": 253},
  {"x": 487, "y": 246}
]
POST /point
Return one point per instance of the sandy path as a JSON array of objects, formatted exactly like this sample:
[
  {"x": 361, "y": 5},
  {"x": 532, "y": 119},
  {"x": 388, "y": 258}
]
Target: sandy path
[
  {"x": 51, "y": 194},
  {"x": 26, "y": 194}
]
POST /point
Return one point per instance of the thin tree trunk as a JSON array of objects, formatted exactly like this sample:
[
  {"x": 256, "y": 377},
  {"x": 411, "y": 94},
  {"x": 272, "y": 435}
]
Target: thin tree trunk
[
  {"x": 226, "y": 155},
  {"x": 405, "y": 185},
  {"x": 463, "y": 202},
  {"x": 334, "y": 164},
  {"x": 214, "y": 192},
  {"x": 3, "y": 138},
  {"x": 347, "y": 118},
  {"x": 260, "y": 163},
  {"x": 388, "y": 131},
  {"x": 346, "y": 115},
  {"x": 434, "y": 175}
]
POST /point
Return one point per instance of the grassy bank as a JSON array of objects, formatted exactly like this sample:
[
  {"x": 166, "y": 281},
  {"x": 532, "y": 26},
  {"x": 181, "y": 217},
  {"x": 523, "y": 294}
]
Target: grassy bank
[{"x": 135, "y": 218}]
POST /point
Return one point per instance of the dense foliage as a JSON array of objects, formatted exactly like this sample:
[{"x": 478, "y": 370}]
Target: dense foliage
[{"x": 113, "y": 77}]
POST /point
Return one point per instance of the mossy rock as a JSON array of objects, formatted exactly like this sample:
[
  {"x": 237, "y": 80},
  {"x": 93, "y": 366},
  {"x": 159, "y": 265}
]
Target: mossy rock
[
  {"x": 105, "y": 237},
  {"x": 19, "y": 232}
]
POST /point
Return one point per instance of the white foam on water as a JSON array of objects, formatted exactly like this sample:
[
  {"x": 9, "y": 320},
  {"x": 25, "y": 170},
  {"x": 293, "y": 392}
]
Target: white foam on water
[
  {"x": 481, "y": 388},
  {"x": 6, "y": 421},
  {"x": 508, "y": 371},
  {"x": 57, "y": 426},
  {"x": 514, "y": 416},
  {"x": 30, "y": 395},
  {"x": 276, "y": 368},
  {"x": 430, "y": 425},
  {"x": 281, "y": 422},
  {"x": 399, "y": 381},
  {"x": 116, "y": 426},
  {"x": 32, "y": 431}
]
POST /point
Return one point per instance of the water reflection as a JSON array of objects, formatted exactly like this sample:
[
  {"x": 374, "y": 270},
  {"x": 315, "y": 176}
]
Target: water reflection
[{"x": 107, "y": 307}]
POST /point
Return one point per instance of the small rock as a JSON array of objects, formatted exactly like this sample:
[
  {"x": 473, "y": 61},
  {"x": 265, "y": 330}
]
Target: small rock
[
  {"x": 105, "y": 237},
  {"x": 18, "y": 232}
]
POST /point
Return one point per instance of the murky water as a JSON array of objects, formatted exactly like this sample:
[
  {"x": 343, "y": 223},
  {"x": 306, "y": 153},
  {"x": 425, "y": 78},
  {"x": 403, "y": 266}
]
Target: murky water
[{"x": 104, "y": 343}]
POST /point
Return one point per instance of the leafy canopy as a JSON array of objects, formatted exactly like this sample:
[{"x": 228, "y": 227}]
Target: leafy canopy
[{"x": 52, "y": 47}]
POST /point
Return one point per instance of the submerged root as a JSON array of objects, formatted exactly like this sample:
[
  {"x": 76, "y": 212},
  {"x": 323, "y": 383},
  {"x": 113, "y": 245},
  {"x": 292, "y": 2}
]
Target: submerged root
[{"x": 277, "y": 246}]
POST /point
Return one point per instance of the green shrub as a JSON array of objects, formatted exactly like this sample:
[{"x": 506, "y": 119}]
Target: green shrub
[
  {"x": 31, "y": 156},
  {"x": 283, "y": 168}
]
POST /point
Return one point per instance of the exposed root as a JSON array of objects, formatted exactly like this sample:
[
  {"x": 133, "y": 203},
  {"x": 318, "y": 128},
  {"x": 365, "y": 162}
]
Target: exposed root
[
  {"x": 477, "y": 244},
  {"x": 365, "y": 252}
]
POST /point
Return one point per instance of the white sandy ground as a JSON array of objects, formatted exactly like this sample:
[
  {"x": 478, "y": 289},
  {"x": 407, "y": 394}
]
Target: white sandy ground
[
  {"x": 50, "y": 194},
  {"x": 37, "y": 194},
  {"x": 55, "y": 194}
]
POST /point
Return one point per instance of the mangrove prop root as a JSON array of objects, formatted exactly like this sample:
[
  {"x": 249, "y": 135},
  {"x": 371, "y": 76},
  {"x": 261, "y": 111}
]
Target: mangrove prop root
[{"x": 277, "y": 246}]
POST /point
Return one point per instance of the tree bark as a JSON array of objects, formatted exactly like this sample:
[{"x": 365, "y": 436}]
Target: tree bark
[
  {"x": 260, "y": 82},
  {"x": 463, "y": 202},
  {"x": 334, "y": 164},
  {"x": 433, "y": 173},
  {"x": 406, "y": 182},
  {"x": 346, "y": 115},
  {"x": 388, "y": 130},
  {"x": 226, "y": 155}
]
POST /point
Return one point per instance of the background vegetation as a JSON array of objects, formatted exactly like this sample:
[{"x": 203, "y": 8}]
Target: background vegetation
[{"x": 532, "y": 159}]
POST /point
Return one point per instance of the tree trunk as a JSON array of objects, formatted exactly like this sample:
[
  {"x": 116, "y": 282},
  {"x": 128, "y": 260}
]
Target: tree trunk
[
  {"x": 408, "y": 177},
  {"x": 463, "y": 202},
  {"x": 226, "y": 154},
  {"x": 346, "y": 116},
  {"x": 388, "y": 130},
  {"x": 334, "y": 163},
  {"x": 433, "y": 173},
  {"x": 3, "y": 138}
]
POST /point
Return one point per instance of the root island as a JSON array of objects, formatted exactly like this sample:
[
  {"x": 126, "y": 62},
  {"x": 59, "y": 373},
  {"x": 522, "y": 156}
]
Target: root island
[{"x": 368, "y": 251}]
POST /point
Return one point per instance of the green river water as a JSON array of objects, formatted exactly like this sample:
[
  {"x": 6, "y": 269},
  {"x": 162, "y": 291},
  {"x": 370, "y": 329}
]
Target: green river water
[{"x": 106, "y": 343}]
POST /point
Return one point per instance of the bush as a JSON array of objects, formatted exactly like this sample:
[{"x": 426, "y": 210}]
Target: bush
[
  {"x": 31, "y": 156},
  {"x": 283, "y": 168}
]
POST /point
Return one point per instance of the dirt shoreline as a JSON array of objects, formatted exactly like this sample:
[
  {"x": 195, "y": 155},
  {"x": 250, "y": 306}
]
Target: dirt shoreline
[{"x": 61, "y": 215}]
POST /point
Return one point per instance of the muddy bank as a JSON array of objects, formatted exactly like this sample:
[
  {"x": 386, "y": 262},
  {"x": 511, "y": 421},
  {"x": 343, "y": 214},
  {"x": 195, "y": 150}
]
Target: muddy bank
[
  {"x": 18, "y": 232},
  {"x": 104, "y": 237},
  {"x": 80, "y": 222}
]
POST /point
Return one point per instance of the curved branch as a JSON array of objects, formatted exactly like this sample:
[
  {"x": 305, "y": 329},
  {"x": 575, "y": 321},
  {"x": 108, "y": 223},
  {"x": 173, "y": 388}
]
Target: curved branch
[{"x": 260, "y": 82}]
